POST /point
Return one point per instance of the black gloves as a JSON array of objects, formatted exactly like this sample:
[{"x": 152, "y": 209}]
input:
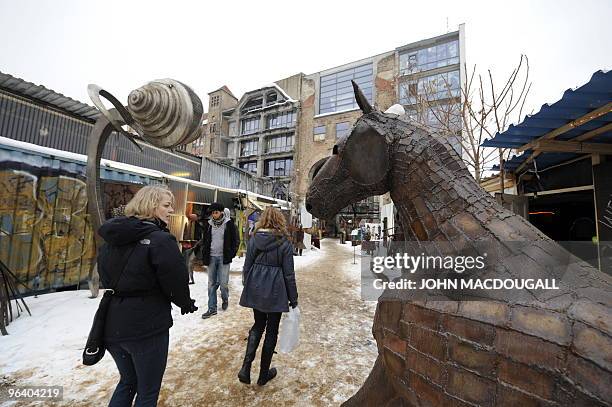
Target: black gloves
[
  {"x": 188, "y": 310},
  {"x": 293, "y": 304}
]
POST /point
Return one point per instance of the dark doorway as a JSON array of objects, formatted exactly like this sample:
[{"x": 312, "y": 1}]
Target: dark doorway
[{"x": 567, "y": 218}]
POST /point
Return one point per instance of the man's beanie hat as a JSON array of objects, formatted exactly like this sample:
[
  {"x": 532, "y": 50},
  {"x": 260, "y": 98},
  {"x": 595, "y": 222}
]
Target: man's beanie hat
[{"x": 216, "y": 206}]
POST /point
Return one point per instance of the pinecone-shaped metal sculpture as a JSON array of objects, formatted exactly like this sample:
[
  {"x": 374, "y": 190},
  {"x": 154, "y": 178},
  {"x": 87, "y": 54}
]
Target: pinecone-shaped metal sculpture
[{"x": 166, "y": 113}]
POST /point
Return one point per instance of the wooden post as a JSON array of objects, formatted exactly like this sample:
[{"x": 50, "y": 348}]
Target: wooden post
[{"x": 501, "y": 173}]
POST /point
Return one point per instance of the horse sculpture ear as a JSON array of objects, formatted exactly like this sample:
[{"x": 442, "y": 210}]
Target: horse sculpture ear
[
  {"x": 362, "y": 101},
  {"x": 366, "y": 155}
]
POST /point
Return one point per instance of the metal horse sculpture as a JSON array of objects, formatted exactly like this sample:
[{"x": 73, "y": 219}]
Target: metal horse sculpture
[
  {"x": 543, "y": 348},
  {"x": 165, "y": 113}
]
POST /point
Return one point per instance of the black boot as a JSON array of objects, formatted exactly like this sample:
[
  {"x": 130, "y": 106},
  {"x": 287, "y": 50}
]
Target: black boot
[
  {"x": 265, "y": 373},
  {"x": 252, "y": 343}
]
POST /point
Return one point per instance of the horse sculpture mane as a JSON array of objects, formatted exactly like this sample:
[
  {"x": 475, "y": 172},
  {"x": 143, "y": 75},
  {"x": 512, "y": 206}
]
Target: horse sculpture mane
[{"x": 550, "y": 347}]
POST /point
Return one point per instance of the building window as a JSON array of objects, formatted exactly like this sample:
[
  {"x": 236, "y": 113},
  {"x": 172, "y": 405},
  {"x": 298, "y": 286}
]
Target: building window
[
  {"x": 278, "y": 168},
  {"x": 336, "y": 93},
  {"x": 211, "y": 146},
  {"x": 250, "y": 166},
  {"x": 213, "y": 128},
  {"x": 441, "y": 117},
  {"x": 250, "y": 126},
  {"x": 232, "y": 129},
  {"x": 285, "y": 119},
  {"x": 215, "y": 101},
  {"x": 343, "y": 129},
  {"x": 429, "y": 88},
  {"x": 319, "y": 133},
  {"x": 248, "y": 148},
  {"x": 271, "y": 98},
  {"x": 433, "y": 57},
  {"x": 279, "y": 144},
  {"x": 252, "y": 104}
]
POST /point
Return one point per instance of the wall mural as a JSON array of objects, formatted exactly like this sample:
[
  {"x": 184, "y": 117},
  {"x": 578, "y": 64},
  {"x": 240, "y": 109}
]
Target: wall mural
[
  {"x": 116, "y": 196},
  {"x": 45, "y": 236}
]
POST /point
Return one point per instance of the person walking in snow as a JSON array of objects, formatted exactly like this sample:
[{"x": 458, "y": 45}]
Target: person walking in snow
[
  {"x": 141, "y": 260},
  {"x": 219, "y": 246},
  {"x": 269, "y": 288}
]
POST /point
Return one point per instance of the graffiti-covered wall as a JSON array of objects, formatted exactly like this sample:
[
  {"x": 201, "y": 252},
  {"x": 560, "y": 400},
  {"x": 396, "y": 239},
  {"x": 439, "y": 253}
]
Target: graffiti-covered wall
[{"x": 45, "y": 237}]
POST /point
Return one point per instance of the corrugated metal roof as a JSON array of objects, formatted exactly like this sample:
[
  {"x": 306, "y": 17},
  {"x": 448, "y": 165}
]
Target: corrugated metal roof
[
  {"x": 69, "y": 163},
  {"x": 573, "y": 105},
  {"x": 40, "y": 93}
]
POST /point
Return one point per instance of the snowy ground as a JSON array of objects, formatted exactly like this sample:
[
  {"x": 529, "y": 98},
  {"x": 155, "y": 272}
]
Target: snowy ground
[{"x": 335, "y": 354}]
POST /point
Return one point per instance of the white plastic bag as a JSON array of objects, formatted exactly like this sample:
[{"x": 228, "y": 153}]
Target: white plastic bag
[{"x": 289, "y": 331}]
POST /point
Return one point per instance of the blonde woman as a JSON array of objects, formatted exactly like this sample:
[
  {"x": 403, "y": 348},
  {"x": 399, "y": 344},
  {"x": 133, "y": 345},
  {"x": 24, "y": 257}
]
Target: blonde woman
[
  {"x": 141, "y": 262},
  {"x": 269, "y": 288}
]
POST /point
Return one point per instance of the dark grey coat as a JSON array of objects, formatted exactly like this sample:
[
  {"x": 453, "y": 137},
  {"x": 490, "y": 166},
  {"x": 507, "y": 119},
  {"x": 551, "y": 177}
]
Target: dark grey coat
[{"x": 269, "y": 279}]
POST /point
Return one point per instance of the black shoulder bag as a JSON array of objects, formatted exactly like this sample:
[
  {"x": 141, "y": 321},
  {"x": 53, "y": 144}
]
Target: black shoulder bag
[{"x": 94, "y": 348}]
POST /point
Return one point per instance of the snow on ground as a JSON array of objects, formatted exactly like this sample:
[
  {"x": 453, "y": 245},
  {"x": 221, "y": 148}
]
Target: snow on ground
[{"x": 335, "y": 354}]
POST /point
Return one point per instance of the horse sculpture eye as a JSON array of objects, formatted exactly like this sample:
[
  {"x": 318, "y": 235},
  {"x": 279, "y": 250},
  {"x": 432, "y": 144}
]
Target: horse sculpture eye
[{"x": 335, "y": 150}]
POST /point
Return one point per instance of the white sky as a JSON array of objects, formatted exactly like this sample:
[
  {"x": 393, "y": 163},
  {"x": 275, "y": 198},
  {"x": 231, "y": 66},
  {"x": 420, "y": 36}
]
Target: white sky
[{"x": 120, "y": 45}]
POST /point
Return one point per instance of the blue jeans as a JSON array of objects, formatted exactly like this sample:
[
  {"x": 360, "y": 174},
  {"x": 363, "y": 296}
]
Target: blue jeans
[
  {"x": 141, "y": 364},
  {"x": 218, "y": 276}
]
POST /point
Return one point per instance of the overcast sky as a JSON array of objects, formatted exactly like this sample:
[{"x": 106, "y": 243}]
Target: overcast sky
[{"x": 120, "y": 45}]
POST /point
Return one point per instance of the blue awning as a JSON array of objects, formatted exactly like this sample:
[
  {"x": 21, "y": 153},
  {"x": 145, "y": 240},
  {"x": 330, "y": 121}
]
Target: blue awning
[{"x": 573, "y": 105}]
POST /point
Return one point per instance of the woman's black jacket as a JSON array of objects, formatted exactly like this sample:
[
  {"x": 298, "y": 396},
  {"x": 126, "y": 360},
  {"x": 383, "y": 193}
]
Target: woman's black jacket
[{"x": 155, "y": 275}]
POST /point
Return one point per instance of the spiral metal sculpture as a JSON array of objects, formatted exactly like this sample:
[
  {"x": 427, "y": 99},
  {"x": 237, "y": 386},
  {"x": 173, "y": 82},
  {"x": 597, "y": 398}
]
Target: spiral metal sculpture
[{"x": 166, "y": 113}]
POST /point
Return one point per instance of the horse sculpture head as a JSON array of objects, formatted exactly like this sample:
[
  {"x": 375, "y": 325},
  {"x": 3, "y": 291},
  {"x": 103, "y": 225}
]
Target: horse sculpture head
[{"x": 358, "y": 168}]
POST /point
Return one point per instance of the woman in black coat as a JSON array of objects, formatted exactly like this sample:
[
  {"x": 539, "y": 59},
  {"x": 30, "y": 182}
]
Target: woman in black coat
[
  {"x": 141, "y": 261},
  {"x": 269, "y": 288}
]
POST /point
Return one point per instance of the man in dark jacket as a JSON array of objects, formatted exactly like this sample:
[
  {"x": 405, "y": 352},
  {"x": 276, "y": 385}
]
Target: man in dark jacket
[{"x": 219, "y": 246}]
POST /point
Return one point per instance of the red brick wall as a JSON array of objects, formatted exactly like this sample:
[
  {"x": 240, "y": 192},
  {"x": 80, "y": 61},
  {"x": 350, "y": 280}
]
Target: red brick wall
[{"x": 485, "y": 354}]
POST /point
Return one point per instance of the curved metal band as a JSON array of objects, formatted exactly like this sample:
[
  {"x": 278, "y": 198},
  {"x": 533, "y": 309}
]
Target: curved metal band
[{"x": 117, "y": 117}]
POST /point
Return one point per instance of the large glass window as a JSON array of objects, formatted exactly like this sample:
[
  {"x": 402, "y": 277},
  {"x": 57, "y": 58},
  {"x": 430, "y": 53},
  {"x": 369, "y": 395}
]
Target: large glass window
[
  {"x": 250, "y": 166},
  {"x": 249, "y": 126},
  {"x": 342, "y": 129},
  {"x": 278, "y": 168},
  {"x": 248, "y": 148},
  {"x": 319, "y": 133},
  {"x": 429, "y": 88},
  {"x": 336, "y": 92},
  {"x": 281, "y": 143},
  {"x": 429, "y": 58},
  {"x": 439, "y": 116},
  {"x": 285, "y": 119}
]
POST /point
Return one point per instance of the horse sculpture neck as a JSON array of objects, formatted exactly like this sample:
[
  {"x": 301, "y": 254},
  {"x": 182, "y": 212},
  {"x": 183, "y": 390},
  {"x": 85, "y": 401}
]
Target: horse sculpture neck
[{"x": 438, "y": 199}]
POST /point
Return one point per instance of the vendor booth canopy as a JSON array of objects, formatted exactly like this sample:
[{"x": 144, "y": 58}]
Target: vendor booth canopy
[{"x": 579, "y": 123}]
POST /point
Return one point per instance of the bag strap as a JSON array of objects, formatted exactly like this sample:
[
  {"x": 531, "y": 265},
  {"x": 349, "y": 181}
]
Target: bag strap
[{"x": 125, "y": 263}]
